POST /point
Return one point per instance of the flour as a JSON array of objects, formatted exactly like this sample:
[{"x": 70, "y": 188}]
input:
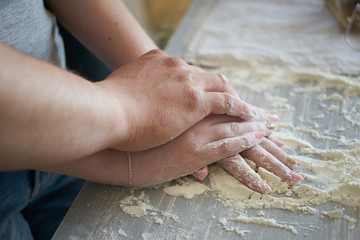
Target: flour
[
  {"x": 285, "y": 45},
  {"x": 332, "y": 174},
  {"x": 188, "y": 189},
  {"x": 281, "y": 33},
  {"x": 338, "y": 213},
  {"x": 122, "y": 233},
  {"x": 136, "y": 206},
  {"x": 140, "y": 206},
  {"x": 264, "y": 221},
  {"x": 351, "y": 221},
  {"x": 335, "y": 96},
  {"x": 224, "y": 224},
  {"x": 260, "y": 213}
]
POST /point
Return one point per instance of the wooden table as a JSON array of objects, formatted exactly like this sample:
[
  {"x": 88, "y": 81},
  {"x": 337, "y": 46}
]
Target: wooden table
[{"x": 96, "y": 213}]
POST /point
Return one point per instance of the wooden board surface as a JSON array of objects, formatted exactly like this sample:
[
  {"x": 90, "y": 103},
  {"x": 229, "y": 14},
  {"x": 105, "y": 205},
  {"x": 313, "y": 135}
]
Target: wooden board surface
[{"x": 96, "y": 213}]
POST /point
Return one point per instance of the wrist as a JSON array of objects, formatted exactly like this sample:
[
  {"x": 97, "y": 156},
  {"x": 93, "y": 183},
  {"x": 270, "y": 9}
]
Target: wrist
[{"x": 115, "y": 119}]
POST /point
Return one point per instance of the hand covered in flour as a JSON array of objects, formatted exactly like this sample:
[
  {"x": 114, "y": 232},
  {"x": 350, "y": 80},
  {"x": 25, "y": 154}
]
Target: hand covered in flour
[
  {"x": 268, "y": 155},
  {"x": 214, "y": 138},
  {"x": 162, "y": 96}
]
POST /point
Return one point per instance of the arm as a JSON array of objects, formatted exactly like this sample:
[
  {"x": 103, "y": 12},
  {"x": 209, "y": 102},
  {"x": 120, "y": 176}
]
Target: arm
[
  {"x": 49, "y": 115},
  {"x": 208, "y": 141},
  {"x": 214, "y": 139},
  {"x": 106, "y": 27}
]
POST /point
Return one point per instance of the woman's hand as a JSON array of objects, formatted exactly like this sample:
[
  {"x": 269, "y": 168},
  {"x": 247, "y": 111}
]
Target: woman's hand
[
  {"x": 214, "y": 138},
  {"x": 266, "y": 154}
]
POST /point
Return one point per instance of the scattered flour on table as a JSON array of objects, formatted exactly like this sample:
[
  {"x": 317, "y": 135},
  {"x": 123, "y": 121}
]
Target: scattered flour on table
[
  {"x": 338, "y": 213},
  {"x": 187, "y": 190},
  {"x": 136, "y": 206},
  {"x": 260, "y": 64},
  {"x": 333, "y": 173},
  {"x": 232, "y": 42},
  {"x": 351, "y": 221},
  {"x": 224, "y": 224},
  {"x": 264, "y": 221},
  {"x": 122, "y": 233},
  {"x": 285, "y": 33},
  {"x": 140, "y": 206}
]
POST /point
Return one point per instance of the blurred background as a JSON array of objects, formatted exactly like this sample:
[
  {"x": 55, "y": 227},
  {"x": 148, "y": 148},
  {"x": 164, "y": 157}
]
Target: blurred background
[{"x": 159, "y": 18}]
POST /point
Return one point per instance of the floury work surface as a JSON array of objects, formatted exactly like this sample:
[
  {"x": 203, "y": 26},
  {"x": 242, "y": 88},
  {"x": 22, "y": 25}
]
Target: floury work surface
[
  {"x": 320, "y": 116},
  {"x": 225, "y": 209}
]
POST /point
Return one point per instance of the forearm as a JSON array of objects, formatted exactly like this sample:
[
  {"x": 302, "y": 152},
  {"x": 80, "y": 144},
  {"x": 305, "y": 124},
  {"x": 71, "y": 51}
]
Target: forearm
[
  {"x": 106, "y": 167},
  {"x": 106, "y": 27},
  {"x": 50, "y": 116}
]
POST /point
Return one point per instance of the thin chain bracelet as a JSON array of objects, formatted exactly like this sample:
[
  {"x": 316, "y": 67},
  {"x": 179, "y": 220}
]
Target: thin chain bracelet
[{"x": 130, "y": 186}]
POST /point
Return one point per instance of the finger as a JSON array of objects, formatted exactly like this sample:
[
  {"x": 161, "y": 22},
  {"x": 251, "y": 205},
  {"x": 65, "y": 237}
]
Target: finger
[
  {"x": 214, "y": 82},
  {"x": 154, "y": 52},
  {"x": 264, "y": 159},
  {"x": 230, "y": 146},
  {"x": 234, "y": 129},
  {"x": 277, "y": 152},
  {"x": 225, "y": 103},
  {"x": 262, "y": 115},
  {"x": 276, "y": 141},
  {"x": 214, "y": 119},
  {"x": 196, "y": 69},
  {"x": 221, "y": 118},
  {"x": 238, "y": 167},
  {"x": 201, "y": 173}
]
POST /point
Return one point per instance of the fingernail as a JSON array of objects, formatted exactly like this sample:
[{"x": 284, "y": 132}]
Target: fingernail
[
  {"x": 270, "y": 126},
  {"x": 223, "y": 77},
  {"x": 265, "y": 188},
  {"x": 296, "y": 176},
  {"x": 273, "y": 117},
  {"x": 278, "y": 142},
  {"x": 201, "y": 173},
  {"x": 200, "y": 176},
  {"x": 259, "y": 135}
]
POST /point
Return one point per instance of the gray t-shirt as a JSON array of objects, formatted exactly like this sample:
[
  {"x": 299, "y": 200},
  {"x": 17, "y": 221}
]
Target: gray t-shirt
[{"x": 30, "y": 28}]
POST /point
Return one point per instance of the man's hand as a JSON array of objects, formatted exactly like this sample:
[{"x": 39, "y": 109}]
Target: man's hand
[{"x": 162, "y": 97}]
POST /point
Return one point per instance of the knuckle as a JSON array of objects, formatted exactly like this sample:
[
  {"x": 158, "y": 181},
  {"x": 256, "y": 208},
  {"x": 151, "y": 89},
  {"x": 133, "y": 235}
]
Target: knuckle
[
  {"x": 217, "y": 148},
  {"x": 193, "y": 99},
  {"x": 235, "y": 128},
  {"x": 194, "y": 95},
  {"x": 155, "y": 52},
  {"x": 229, "y": 101},
  {"x": 224, "y": 132},
  {"x": 184, "y": 76},
  {"x": 220, "y": 77},
  {"x": 173, "y": 62},
  {"x": 223, "y": 148},
  {"x": 193, "y": 143},
  {"x": 251, "y": 127}
]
